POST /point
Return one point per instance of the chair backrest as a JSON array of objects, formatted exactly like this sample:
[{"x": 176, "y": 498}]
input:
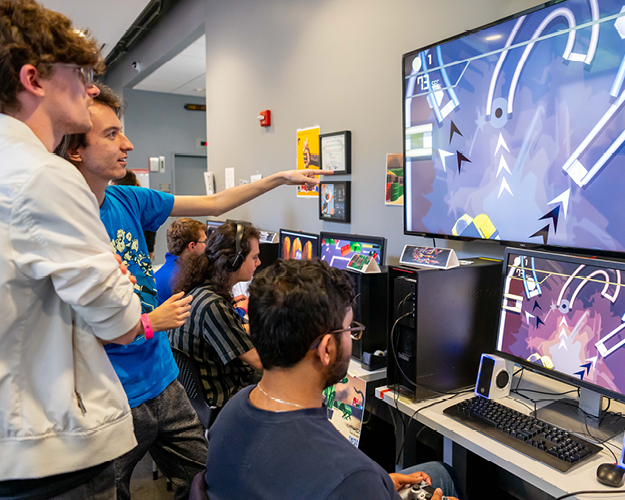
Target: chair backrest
[{"x": 190, "y": 380}]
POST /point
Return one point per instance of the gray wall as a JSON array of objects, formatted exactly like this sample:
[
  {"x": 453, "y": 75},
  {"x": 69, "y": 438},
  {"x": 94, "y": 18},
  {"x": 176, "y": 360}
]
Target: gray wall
[
  {"x": 158, "y": 125},
  {"x": 335, "y": 63}
]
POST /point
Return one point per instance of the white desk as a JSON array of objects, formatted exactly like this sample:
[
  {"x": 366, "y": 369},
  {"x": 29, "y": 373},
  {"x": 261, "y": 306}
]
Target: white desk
[
  {"x": 356, "y": 370},
  {"x": 543, "y": 477}
]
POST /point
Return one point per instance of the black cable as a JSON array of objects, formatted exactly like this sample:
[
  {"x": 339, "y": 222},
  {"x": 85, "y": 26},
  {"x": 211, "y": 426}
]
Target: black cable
[
  {"x": 590, "y": 492},
  {"x": 401, "y": 449},
  {"x": 401, "y": 303},
  {"x": 587, "y": 434},
  {"x": 547, "y": 393},
  {"x": 394, "y": 349},
  {"x": 606, "y": 444}
]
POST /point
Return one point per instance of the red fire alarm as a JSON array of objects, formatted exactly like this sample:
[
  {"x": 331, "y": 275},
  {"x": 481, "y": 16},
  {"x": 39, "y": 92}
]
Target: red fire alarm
[{"x": 265, "y": 118}]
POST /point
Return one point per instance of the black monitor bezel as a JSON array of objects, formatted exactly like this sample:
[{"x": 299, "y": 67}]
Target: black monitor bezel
[
  {"x": 512, "y": 243},
  {"x": 212, "y": 225},
  {"x": 537, "y": 368},
  {"x": 358, "y": 238},
  {"x": 302, "y": 233}
]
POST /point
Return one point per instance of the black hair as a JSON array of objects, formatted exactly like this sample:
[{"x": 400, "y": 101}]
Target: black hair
[{"x": 292, "y": 303}]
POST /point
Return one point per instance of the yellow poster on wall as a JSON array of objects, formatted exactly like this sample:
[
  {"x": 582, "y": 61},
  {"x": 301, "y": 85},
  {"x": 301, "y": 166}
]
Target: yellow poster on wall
[{"x": 308, "y": 157}]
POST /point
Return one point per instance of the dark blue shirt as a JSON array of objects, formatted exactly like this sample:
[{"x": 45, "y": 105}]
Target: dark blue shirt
[
  {"x": 164, "y": 277},
  {"x": 258, "y": 454}
]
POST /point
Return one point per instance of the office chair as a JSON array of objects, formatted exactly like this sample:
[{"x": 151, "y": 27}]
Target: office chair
[{"x": 189, "y": 377}]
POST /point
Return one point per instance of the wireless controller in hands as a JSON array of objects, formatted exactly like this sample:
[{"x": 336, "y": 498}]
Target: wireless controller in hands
[{"x": 421, "y": 491}]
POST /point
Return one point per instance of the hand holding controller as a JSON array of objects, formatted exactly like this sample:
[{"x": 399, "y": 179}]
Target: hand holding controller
[{"x": 422, "y": 491}]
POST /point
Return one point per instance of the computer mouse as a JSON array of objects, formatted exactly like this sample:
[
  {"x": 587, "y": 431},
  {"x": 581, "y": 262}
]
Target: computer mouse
[{"x": 611, "y": 475}]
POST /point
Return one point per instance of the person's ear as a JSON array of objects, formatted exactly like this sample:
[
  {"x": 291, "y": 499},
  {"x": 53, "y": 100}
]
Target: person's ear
[
  {"x": 74, "y": 155},
  {"x": 31, "y": 80},
  {"x": 325, "y": 349},
  {"x": 191, "y": 246}
]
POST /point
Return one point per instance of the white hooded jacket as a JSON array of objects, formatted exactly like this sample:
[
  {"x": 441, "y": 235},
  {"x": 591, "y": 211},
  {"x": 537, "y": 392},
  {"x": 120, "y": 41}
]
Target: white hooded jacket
[{"x": 62, "y": 407}]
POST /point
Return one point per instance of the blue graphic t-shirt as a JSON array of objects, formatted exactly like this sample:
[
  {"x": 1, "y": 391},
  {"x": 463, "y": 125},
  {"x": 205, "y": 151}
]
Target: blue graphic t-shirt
[{"x": 145, "y": 367}]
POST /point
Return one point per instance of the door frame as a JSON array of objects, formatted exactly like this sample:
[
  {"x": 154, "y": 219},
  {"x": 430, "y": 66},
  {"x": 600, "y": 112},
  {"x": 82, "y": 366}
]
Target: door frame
[{"x": 173, "y": 163}]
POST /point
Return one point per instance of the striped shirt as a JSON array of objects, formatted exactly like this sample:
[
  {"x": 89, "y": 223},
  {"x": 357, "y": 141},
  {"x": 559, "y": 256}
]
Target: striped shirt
[{"x": 215, "y": 338}]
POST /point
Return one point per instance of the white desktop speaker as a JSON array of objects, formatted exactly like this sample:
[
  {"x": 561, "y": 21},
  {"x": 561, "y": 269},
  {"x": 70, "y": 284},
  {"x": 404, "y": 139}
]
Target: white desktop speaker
[{"x": 494, "y": 377}]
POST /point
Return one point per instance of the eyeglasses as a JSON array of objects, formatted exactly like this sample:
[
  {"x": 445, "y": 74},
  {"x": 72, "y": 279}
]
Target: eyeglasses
[
  {"x": 85, "y": 73},
  {"x": 203, "y": 242},
  {"x": 355, "y": 332}
]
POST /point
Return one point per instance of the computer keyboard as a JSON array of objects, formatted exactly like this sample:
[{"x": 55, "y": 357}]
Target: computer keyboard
[{"x": 529, "y": 435}]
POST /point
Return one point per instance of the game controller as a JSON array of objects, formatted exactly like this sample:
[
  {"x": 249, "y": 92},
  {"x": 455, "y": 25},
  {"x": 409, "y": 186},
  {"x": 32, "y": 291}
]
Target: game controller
[{"x": 421, "y": 491}]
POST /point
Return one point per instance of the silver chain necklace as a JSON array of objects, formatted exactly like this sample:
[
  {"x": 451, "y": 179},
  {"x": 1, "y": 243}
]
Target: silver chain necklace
[{"x": 276, "y": 399}]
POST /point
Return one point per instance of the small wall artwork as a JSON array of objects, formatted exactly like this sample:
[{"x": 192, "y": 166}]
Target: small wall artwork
[
  {"x": 308, "y": 157},
  {"x": 395, "y": 179},
  {"x": 334, "y": 201}
]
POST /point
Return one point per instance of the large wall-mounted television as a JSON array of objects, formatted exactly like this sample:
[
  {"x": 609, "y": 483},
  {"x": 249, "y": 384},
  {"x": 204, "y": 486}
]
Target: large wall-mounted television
[
  {"x": 338, "y": 249},
  {"x": 514, "y": 131}
]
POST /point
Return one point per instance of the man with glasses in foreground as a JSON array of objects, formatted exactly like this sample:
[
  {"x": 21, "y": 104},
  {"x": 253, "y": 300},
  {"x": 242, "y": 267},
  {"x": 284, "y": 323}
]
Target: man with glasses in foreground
[
  {"x": 63, "y": 413},
  {"x": 274, "y": 440}
]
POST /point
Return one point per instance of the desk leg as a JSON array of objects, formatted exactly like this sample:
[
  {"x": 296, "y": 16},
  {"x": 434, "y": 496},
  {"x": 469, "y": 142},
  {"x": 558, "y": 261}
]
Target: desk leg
[
  {"x": 448, "y": 451},
  {"x": 456, "y": 456},
  {"x": 407, "y": 444}
]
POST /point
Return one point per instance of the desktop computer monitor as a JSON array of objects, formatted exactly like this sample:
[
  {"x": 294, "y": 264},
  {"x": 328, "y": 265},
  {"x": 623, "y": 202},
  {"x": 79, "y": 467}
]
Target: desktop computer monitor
[
  {"x": 298, "y": 245},
  {"x": 564, "y": 316},
  {"x": 211, "y": 225},
  {"x": 338, "y": 249}
]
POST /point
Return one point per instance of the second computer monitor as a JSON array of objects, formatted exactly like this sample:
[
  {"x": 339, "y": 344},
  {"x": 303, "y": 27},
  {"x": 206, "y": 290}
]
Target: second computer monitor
[
  {"x": 565, "y": 316},
  {"x": 212, "y": 225},
  {"x": 338, "y": 249},
  {"x": 298, "y": 245}
]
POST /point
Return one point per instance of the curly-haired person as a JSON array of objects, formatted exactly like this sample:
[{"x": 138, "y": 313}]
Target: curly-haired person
[{"x": 64, "y": 416}]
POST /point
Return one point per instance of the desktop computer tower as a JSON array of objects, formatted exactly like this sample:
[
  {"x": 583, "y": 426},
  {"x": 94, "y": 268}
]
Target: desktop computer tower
[
  {"x": 441, "y": 321},
  {"x": 268, "y": 255},
  {"x": 371, "y": 309}
]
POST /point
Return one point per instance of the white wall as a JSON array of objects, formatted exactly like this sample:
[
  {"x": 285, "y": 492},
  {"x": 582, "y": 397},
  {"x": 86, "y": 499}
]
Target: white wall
[{"x": 335, "y": 63}]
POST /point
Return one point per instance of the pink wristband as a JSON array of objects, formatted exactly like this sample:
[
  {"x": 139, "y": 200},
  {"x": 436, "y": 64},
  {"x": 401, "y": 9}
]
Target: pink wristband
[{"x": 147, "y": 326}]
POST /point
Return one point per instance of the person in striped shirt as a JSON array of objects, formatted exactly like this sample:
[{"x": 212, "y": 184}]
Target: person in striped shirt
[{"x": 214, "y": 335}]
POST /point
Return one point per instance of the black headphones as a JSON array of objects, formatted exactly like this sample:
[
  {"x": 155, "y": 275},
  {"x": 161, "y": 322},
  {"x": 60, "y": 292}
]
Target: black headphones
[{"x": 235, "y": 262}]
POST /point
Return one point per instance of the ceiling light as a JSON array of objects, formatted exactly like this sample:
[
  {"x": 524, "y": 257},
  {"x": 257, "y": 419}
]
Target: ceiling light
[
  {"x": 492, "y": 37},
  {"x": 199, "y": 89}
]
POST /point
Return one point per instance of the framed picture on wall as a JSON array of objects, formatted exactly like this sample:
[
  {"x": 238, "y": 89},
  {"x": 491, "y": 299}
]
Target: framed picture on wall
[
  {"x": 335, "y": 201},
  {"x": 336, "y": 152}
]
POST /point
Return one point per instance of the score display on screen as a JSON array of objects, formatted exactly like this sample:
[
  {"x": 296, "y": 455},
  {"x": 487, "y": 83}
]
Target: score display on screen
[
  {"x": 515, "y": 132},
  {"x": 337, "y": 250},
  {"x": 565, "y": 314}
]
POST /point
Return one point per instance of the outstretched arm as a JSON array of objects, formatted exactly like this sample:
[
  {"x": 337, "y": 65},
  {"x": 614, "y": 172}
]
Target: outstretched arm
[{"x": 224, "y": 201}]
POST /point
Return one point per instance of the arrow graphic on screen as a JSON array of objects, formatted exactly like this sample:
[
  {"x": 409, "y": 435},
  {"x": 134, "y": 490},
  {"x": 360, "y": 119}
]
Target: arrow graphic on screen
[
  {"x": 553, "y": 215},
  {"x": 461, "y": 158},
  {"x": 454, "y": 130},
  {"x": 544, "y": 232}
]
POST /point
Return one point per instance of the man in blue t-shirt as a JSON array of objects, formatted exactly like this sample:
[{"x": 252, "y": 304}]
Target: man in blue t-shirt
[
  {"x": 184, "y": 236},
  {"x": 165, "y": 423},
  {"x": 274, "y": 440}
]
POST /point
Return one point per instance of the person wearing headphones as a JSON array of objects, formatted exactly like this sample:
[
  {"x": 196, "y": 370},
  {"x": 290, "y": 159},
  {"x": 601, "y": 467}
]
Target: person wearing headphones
[{"x": 214, "y": 336}]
